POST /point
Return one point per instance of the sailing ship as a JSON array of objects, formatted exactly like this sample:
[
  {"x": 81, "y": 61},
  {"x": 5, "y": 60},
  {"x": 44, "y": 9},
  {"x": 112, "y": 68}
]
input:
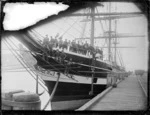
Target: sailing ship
[{"x": 72, "y": 77}]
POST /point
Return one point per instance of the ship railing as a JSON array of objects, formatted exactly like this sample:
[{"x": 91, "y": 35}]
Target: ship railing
[{"x": 70, "y": 48}]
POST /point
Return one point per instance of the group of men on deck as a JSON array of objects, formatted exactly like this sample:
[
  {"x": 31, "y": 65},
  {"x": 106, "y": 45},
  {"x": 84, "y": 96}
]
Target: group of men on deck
[{"x": 73, "y": 46}]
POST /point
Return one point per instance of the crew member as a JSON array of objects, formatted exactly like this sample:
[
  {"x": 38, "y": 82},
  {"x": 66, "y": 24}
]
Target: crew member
[
  {"x": 68, "y": 66},
  {"x": 62, "y": 57},
  {"x": 73, "y": 46},
  {"x": 45, "y": 41},
  {"x": 60, "y": 42},
  {"x": 65, "y": 44}
]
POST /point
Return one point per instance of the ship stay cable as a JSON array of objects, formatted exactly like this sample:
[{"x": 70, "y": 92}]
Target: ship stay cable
[
  {"x": 65, "y": 19},
  {"x": 84, "y": 26},
  {"x": 102, "y": 28},
  {"x": 47, "y": 62},
  {"x": 53, "y": 92},
  {"x": 25, "y": 62},
  {"x": 20, "y": 57},
  {"x": 61, "y": 29},
  {"x": 65, "y": 65},
  {"x": 9, "y": 46},
  {"x": 55, "y": 67},
  {"x": 69, "y": 27},
  {"x": 66, "y": 31},
  {"x": 39, "y": 82}
]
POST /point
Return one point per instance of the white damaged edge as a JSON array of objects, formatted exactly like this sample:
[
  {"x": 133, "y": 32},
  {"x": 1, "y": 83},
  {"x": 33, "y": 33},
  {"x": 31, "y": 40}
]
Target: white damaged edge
[{"x": 21, "y": 15}]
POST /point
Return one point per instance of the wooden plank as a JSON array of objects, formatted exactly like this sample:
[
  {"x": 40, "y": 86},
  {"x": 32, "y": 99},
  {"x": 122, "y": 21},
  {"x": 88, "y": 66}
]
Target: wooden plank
[{"x": 127, "y": 96}]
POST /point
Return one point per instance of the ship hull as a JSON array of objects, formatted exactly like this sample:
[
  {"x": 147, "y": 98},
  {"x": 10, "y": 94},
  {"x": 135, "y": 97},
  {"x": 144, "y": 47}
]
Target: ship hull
[
  {"x": 71, "y": 93},
  {"x": 81, "y": 65}
]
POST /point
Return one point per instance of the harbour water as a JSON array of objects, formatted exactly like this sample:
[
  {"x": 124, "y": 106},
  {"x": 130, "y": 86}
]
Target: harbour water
[
  {"x": 23, "y": 81},
  {"x": 14, "y": 76}
]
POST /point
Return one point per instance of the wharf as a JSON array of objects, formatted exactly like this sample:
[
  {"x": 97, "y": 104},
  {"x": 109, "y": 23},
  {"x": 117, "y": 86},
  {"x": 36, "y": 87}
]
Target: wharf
[{"x": 128, "y": 95}]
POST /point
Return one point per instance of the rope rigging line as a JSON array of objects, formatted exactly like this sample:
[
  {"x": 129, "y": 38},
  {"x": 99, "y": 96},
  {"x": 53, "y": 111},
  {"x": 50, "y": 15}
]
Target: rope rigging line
[
  {"x": 31, "y": 32},
  {"x": 35, "y": 32},
  {"x": 22, "y": 59},
  {"x": 44, "y": 65},
  {"x": 100, "y": 21},
  {"x": 17, "y": 50},
  {"x": 53, "y": 92},
  {"x": 19, "y": 68},
  {"x": 55, "y": 67},
  {"x": 24, "y": 69},
  {"x": 102, "y": 28},
  {"x": 88, "y": 10},
  {"x": 9, "y": 46},
  {"x": 85, "y": 24},
  {"x": 76, "y": 28},
  {"x": 80, "y": 25},
  {"x": 70, "y": 27},
  {"x": 64, "y": 20},
  {"x": 15, "y": 65},
  {"x": 62, "y": 29},
  {"x": 121, "y": 58},
  {"x": 73, "y": 27}
]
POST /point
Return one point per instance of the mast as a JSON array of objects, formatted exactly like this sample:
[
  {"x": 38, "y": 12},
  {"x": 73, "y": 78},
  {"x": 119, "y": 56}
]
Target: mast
[
  {"x": 92, "y": 44},
  {"x": 92, "y": 25},
  {"x": 115, "y": 43},
  {"x": 109, "y": 32}
]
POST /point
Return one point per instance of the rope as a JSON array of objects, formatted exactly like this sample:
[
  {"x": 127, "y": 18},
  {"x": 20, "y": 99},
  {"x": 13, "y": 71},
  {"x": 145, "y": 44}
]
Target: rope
[
  {"x": 55, "y": 67},
  {"x": 70, "y": 27},
  {"x": 102, "y": 28},
  {"x": 63, "y": 29},
  {"x": 53, "y": 92},
  {"x": 82, "y": 34},
  {"x": 8, "y": 45},
  {"x": 88, "y": 10},
  {"x": 74, "y": 27}
]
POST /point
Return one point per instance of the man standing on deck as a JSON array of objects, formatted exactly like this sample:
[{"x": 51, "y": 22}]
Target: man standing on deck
[
  {"x": 65, "y": 45},
  {"x": 46, "y": 47},
  {"x": 68, "y": 66},
  {"x": 60, "y": 43},
  {"x": 62, "y": 57},
  {"x": 45, "y": 42}
]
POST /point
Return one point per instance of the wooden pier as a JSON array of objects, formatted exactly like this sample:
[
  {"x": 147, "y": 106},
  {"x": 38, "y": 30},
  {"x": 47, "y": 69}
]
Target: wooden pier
[{"x": 128, "y": 95}]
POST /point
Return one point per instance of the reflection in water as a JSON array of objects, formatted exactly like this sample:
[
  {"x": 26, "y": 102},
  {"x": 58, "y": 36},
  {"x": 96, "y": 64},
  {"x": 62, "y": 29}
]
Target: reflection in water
[{"x": 22, "y": 80}]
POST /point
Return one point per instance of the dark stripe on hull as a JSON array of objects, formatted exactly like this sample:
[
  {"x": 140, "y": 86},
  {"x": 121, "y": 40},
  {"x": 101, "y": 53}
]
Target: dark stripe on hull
[
  {"x": 76, "y": 69},
  {"x": 73, "y": 91}
]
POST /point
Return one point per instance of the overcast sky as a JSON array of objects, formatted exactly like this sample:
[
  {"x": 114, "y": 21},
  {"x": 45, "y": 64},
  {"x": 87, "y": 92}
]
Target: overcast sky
[{"x": 134, "y": 58}]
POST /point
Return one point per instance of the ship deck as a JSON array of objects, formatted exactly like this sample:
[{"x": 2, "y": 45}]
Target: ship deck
[{"x": 128, "y": 95}]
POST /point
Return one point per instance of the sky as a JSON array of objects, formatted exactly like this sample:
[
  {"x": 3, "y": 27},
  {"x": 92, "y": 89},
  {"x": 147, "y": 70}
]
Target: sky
[
  {"x": 134, "y": 58},
  {"x": 72, "y": 27}
]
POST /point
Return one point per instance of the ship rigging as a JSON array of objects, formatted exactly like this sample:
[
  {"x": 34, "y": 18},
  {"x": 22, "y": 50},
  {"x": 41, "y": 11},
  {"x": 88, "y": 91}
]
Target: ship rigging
[{"x": 72, "y": 68}]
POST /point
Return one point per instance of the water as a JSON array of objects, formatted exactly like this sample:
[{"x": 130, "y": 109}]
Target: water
[{"x": 22, "y": 80}]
